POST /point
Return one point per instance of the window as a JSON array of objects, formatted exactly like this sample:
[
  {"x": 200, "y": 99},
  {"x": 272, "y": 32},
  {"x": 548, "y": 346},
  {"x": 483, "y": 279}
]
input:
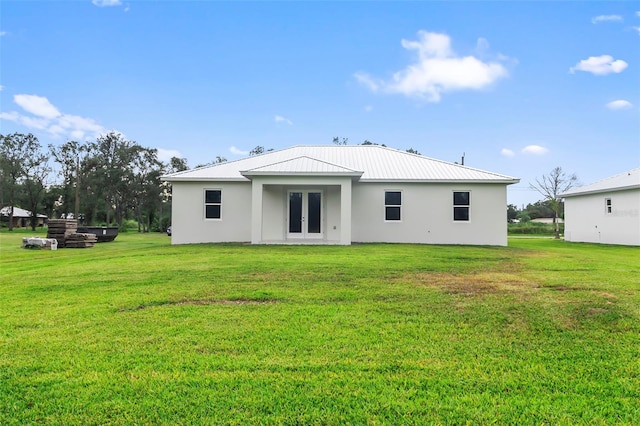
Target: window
[
  {"x": 461, "y": 202},
  {"x": 607, "y": 205},
  {"x": 392, "y": 205},
  {"x": 212, "y": 203}
]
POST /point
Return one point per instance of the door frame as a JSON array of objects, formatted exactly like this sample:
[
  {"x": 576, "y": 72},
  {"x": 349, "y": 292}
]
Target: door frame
[{"x": 304, "y": 234}]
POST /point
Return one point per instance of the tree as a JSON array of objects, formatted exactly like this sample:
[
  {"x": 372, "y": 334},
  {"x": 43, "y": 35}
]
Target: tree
[
  {"x": 220, "y": 159},
  {"x": 413, "y": 151},
  {"x": 340, "y": 141},
  {"x": 17, "y": 153},
  {"x": 37, "y": 170},
  {"x": 512, "y": 212},
  {"x": 71, "y": 156},
  {"x": 146, "y": 188},
  {"x": 257, "y": 150},
  {"x": 113, "y": 161},
  {"x": 177, "y": 164},
  {"x": 550, "y": 186}
]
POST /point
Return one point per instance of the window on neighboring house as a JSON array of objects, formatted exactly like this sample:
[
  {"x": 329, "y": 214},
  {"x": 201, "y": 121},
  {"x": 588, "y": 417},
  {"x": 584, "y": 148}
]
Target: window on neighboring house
[
  {"x": 461, "y": 202},
  {"x": 607, "y": 205},
  {"x": 212, "y": 203},
  {"x": 392, "y": 205}
]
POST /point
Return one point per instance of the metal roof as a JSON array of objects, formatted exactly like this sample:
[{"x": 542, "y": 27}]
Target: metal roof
[
  {"x": 301, "y": 166},
  {"x": 626, "y": 180},
  {"x": 18, "y": 212},
  {"x": 376, "y": 163}
]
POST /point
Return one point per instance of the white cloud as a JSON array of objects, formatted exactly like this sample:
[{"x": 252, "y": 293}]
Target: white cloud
[
  {"x": 438, "y": 69},
  {"x": 1, "y": 87},
  {"x": 237, "y": 151},
  {"x": 37, "y": 105},
  {"x": 106, "y": 3},
  {"x": 507, "y": 152},
  {"x": 638, "y": 14},
  {"x": 2, "y": 33},
  {"x": 637, "y": 29},
  {"x": 606, "y": 18},
  {"x": 600, "y": 65},
  {"x": 535, "y": 150},
  {"x": 368, "y": 108},
  {"x": 165, "y": 155},
  {"x": 45, "y": 116},
  {"x": 619, "y": 104},
  {"x": 281, "y": 119}
]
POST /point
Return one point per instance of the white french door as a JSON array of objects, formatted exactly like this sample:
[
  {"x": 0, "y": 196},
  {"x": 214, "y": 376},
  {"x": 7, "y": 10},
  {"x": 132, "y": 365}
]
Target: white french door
[{"x": 304, "y": 214}]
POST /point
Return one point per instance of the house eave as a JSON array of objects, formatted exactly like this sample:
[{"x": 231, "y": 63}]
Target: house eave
[
  {"x": 447, "y": 181},
  {"x": 599, "y": 191},
  {"x": 202, "y": 179},
  {"x": 250, "y": 174}
]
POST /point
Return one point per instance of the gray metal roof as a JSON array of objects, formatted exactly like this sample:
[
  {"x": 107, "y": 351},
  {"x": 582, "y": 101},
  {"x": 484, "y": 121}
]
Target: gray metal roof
[
  {"x": 301, "y": 166},
  {"x": 623, "y": 181},
  {"x": 376, "y": 163}
]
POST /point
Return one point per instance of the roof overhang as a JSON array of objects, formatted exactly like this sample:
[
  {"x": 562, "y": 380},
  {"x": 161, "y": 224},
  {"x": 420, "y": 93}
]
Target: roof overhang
[
  {"x": 599, "y": 191},
  {"x": 302, "y": 166}
]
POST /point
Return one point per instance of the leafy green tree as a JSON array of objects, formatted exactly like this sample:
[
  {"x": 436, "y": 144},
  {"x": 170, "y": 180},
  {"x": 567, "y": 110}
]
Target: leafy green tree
[
  {"x": 340, "y": 141},
  {"x": 146, "y": 188},
  {"x": 18, "y": 153},
  {"x": 112, "y": 158},
  {"x": 512, "y": 212},
  {"x": 550, "y": 186},
  {"x": 71, "y": 157},
  {"x": 37, "y": 170},
  {"x": 413, "y": 151},
  {"x": 257, "y": 150}
]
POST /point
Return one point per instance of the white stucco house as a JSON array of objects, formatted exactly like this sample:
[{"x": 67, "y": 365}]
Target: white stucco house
[
  {"x": 339, "y": 195},
  {"x": 607, "y": 211}
]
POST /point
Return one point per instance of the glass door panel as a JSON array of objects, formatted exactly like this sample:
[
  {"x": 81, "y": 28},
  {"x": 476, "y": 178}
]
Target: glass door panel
[
  {"x": 304, "y": 214},
  {"x": 314, "y": 209},
  {"x": 295, "y": 212}
]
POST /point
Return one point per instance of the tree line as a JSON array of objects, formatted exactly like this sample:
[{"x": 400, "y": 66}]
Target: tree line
[{"x": 101, "y": 182}]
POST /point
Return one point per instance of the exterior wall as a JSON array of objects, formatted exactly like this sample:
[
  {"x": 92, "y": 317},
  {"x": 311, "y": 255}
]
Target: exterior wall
[
  {"x": 427, "y": 214},
  {"x": 586, "y": 218},
  {"x": 274, "y": 211},
  {"x": 188, "y": 224},
  {"x": 270, "y": 225}
]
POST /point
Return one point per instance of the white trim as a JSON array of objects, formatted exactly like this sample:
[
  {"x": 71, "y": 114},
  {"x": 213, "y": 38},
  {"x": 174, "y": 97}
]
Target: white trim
[
  {"x": 205, "y": 204},
  {"x": 400, "y": 206},
  {"x": 453, "y": 206}
]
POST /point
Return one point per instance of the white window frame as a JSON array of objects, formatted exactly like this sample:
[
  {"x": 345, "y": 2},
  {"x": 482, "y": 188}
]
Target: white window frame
[
  {"x": 467, "y": 206},
  {"x": 219, "y": 204},
  {"x": 400, "y": 206}
]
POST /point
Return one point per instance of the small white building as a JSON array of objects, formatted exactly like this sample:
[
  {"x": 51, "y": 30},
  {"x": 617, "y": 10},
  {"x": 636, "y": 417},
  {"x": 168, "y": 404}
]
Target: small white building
[
  {"x": 607, "y": 211},
  {"x": 339, "y": 195}
]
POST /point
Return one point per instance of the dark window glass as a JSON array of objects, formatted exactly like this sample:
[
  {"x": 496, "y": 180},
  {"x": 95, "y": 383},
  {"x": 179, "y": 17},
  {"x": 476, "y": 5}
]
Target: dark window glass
[
  {"x": 213, "y": 211},
  {"x": 313, "y": 207},
  {"x": 213, "y": 196},
  {"x": 393, "y": 198},
  {"x": 461, "y": 213},
  {"x": 461, "y": 198},
  {"x": 295, "y": 212},
  {"x": 392, "y": 213}
]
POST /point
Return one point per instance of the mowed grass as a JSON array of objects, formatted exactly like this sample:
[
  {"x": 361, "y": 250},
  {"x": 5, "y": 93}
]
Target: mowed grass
[{"x": 141, "y": 332}]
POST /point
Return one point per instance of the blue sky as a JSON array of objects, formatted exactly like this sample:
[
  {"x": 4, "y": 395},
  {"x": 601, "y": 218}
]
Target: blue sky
[{"x": 518, "y": 87}]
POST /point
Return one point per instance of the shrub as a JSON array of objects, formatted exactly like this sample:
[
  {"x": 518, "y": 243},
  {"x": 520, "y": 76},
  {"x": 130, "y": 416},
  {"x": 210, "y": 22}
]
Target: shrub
[{"x": 534, "y": 228}]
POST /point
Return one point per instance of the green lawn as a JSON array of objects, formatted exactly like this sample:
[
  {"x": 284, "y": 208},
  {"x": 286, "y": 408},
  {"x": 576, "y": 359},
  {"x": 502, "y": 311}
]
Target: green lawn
[{"x": 141, "y": 332}]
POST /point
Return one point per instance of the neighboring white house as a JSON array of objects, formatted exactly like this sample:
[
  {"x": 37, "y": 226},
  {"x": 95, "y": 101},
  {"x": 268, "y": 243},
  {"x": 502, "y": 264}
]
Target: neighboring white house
[
  {"x": 607, "y": 211},
  {"x": 339, "y": 195},
  {"x": 21, "y": 217}
]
